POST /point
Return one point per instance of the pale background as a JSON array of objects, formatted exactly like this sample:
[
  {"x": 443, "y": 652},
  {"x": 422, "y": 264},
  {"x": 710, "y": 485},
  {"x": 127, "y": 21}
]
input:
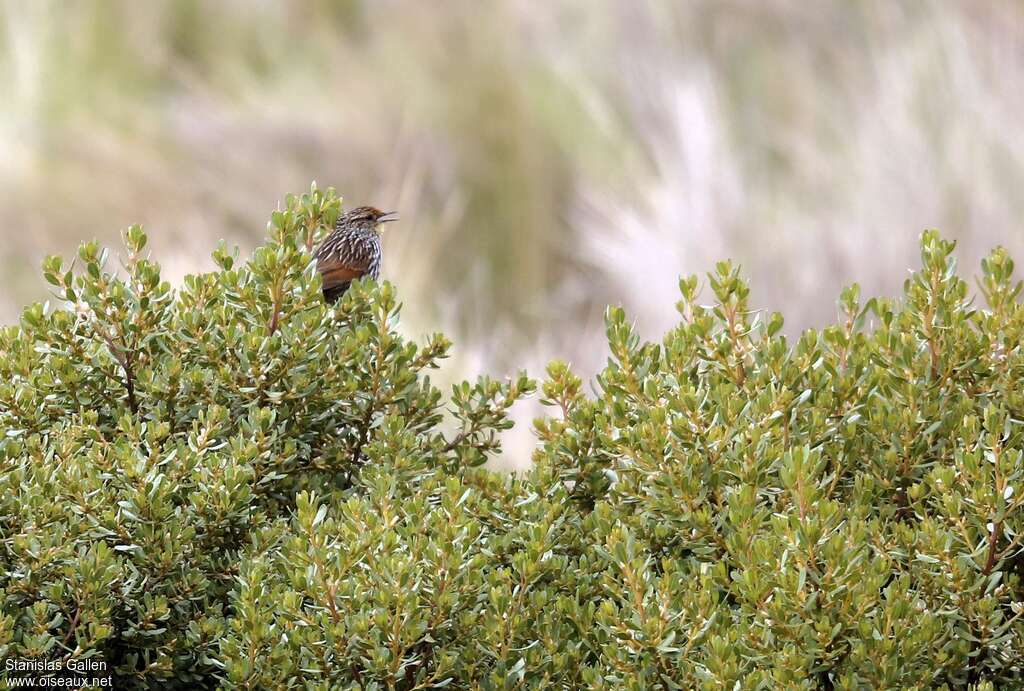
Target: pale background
[{"x": 548, "y": 158}]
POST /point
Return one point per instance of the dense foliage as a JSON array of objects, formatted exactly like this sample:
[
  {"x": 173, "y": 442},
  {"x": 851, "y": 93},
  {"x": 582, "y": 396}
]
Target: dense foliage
[{"x": 235, "y": 485}]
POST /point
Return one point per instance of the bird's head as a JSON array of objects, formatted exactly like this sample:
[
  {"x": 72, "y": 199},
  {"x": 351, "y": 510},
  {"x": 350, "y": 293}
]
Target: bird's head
[{"x": 366, "y": 218}]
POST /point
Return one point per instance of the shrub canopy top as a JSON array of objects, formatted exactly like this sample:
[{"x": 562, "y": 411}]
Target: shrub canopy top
[{"x": 232, "y": 484}]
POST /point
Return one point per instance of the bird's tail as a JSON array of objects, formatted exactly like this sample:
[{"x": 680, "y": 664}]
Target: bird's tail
[{"x": 334, "y": 293}]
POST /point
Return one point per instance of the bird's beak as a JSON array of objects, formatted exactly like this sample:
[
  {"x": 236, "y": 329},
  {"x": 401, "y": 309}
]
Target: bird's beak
[{"x": 388, "y": 217}]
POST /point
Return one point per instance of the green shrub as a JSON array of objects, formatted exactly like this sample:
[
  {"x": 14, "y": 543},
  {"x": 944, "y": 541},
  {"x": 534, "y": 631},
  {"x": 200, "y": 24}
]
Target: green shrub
[{"x": 233, "y": 484}]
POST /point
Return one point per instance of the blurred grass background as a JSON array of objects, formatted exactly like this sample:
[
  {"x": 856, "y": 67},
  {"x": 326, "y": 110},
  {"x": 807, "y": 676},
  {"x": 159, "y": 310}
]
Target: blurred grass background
[{"x": 547, "y": 158}]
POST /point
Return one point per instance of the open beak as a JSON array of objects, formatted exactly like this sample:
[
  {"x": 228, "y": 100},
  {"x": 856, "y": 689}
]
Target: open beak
[{"x": 388, "y": 217}]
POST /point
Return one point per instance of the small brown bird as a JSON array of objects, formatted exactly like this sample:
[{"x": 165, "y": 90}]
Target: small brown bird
[{"x": 352, "y": 250}]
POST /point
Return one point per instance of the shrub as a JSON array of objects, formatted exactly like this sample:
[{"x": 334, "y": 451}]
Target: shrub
[{"x": 235, "y": 485}]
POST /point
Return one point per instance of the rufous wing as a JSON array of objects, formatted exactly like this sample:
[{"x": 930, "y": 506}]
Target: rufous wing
[{"x": 336, "y": 274}]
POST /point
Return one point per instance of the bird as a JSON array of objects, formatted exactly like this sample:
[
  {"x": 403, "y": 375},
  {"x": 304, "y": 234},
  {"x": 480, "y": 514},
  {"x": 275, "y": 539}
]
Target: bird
[{"x": 352, "y": 250}]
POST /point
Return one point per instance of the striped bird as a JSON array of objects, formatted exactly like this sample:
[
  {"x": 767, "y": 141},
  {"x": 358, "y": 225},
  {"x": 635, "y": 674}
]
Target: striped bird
[{"x": 352, "y": 250}]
